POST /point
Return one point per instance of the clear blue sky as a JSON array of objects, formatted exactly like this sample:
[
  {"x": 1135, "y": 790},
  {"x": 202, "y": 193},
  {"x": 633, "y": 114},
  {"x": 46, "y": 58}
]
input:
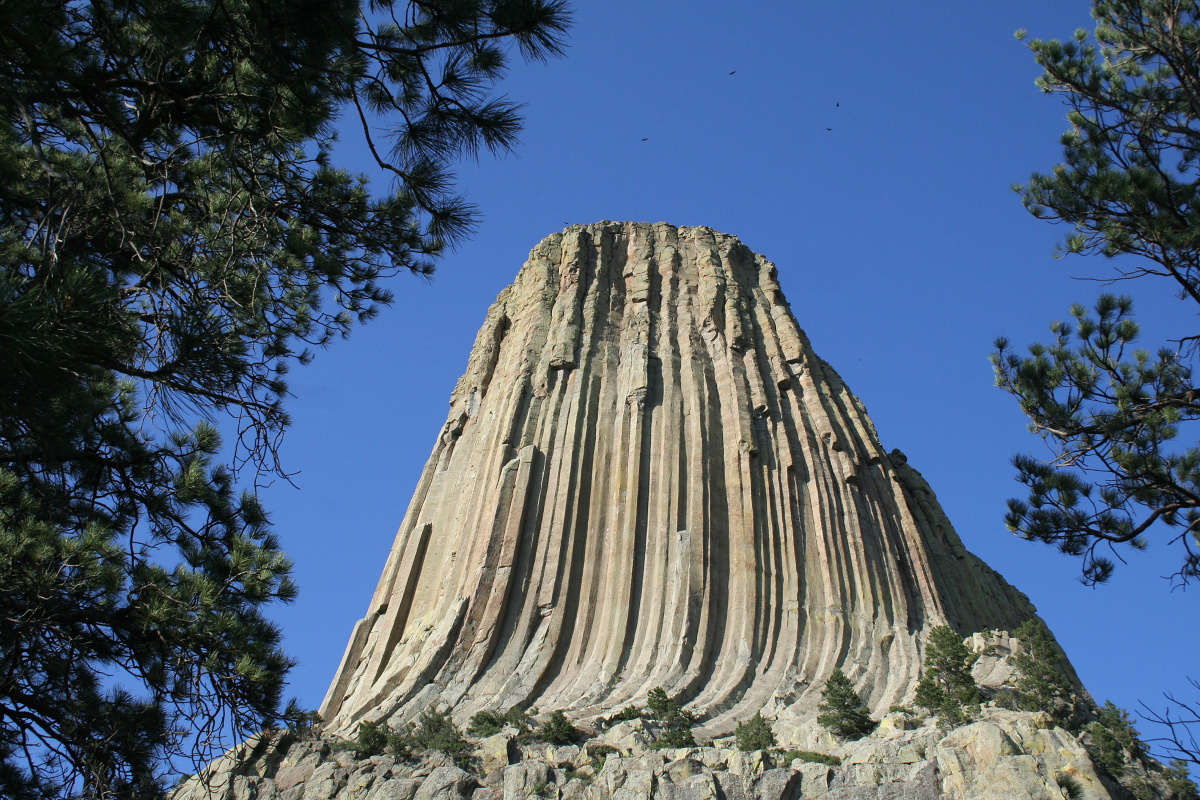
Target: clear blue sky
[{"x": 899, "y": 242}]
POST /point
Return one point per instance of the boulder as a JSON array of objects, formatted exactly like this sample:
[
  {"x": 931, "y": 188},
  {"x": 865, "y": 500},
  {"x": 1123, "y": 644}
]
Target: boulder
[
  {"x": 446, "y": 783},
  {"x": 496, "y": 752}
]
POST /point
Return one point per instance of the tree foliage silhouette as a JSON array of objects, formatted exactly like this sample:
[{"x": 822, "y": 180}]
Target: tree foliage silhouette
[
  {"x": 1124, "y": 464},
  {"x": 174, "y": 235}
]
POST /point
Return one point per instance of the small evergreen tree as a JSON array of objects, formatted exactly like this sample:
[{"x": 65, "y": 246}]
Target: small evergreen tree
[
  {"x": 659, "y": 704},
  {"x": 947, "y": 687},
  {"x": 1114, "y": 740},
  {"x": 1179, "y": 783},
  {"x": 558, "y": 730},
  {"x": 303, "y": 723},
  {"x": 1041, "y": 683},
  {"x": 754, "y": 734},
  {"x": 675, "y": 720},
  {"x": 1070, "y": 787},
  {"x": 845, "y": 713}
]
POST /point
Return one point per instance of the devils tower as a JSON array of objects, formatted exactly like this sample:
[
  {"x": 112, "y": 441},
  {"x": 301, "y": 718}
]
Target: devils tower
[{"x": 648, "y": 478}]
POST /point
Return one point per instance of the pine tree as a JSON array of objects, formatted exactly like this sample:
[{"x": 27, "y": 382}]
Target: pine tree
[
  {"x": 1178, "y": 781},
  {"x": 947, "y": 687},
  {"x": 844, "y": 712},
  {"x": 1041, "y": 684},
  {"x": 1123, "y": 467},
  {"x": 675, "y": 720},
  {"x": 1114, "y": 740},
  {"x": 174, "y": 235}
]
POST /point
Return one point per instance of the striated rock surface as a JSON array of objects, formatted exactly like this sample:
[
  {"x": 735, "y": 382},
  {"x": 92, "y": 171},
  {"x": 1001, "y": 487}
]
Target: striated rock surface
[{"x": 648, "y": 478}]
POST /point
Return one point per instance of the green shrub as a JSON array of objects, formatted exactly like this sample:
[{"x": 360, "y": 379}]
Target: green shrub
[
  {"x": 489, "y": 723},
  {"x": 1010, "y": 699},
  {"x": 399, "y": 744},
  {"x": 1070, "y": 787},
  {"x": 844, "y": 712},
  {"x": 601, "y": 753},
  {"x": 673, "y": 739},
  {"x": 484, "y": 724},
  {"x": 372, "y": 740},
  {"x": 558, "y": 730},
  {"x": 947, "y": 687},
  {"x": 811, "y": 757},
  {"x": 518, "y": 718},
  {"x": 1141, "y": 788},
  {"x": 434, "y": 731},
  {"x": 573, "y": 774},
  {"x": 675, "y": 720},
  {"x": 626, "y": 714},
  {"x": 754, "y": 734}
]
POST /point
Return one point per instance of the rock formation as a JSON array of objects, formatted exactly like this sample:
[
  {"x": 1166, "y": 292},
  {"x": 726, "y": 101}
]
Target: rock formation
[
  {"x": 1004, "y": 756},
  {"x": 648, "y": 478}
]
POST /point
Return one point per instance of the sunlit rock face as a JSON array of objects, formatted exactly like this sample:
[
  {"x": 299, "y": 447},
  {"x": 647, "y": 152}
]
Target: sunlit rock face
[{"x": 648, "y": 478}]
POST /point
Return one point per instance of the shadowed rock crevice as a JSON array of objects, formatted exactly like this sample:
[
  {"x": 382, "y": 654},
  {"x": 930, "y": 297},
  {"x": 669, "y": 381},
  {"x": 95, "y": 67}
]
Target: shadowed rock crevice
[{"x": 647, "y": 478}]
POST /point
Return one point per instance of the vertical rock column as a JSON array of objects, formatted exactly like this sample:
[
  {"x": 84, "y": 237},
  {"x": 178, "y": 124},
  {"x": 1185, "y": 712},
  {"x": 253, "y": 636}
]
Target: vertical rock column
[{"x": 647, "y": 478}]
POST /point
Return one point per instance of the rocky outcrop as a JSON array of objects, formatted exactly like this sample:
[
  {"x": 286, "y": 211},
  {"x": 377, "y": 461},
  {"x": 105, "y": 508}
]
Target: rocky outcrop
[
  {"x": 648, "y": 478},
  {"x": 1005, "y": 755}
]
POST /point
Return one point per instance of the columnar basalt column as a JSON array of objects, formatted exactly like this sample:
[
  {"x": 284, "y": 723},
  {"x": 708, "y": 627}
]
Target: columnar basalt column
[{"x": 647, "y": 478}]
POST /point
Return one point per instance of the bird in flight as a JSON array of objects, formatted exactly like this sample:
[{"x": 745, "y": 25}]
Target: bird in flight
[
  {"x": 646, "y": 140},
  {"x": 733, "y": 72}
]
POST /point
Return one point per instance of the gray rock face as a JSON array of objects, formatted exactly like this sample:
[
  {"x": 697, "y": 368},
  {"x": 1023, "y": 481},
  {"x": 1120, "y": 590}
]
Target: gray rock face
[
  {"x": 648, "y": 478},
  {"x": 446, "y": 783},
  {"x": 1005, "y": 755},
  {"x": 924, "y": 784}
]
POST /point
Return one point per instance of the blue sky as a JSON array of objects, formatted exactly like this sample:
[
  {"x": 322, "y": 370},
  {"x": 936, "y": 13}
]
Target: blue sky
[{"x": 868, "y": 149}]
